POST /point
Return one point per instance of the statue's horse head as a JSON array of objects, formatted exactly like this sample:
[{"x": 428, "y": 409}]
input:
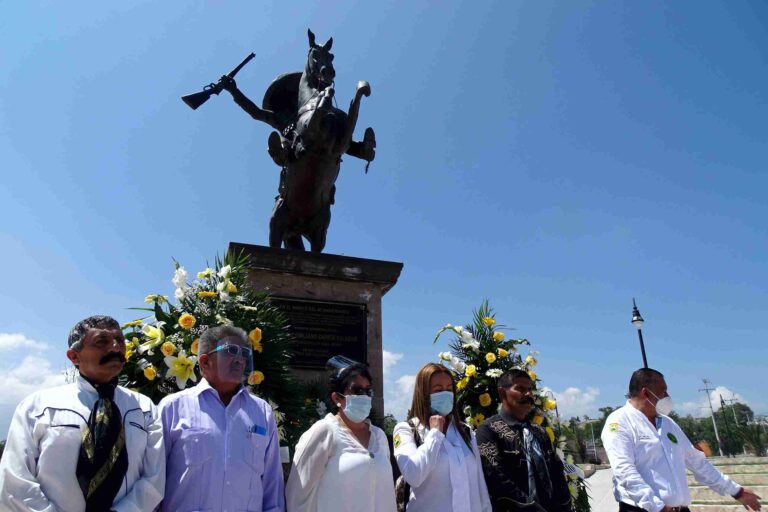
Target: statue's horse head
[{"x": 319, "y": 70}]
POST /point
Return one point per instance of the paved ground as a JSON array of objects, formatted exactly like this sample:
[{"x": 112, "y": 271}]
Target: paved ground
[{"x": 601, "y": 492}]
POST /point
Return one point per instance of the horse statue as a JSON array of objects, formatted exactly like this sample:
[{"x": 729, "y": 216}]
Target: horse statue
[{"x": 311, "y": 137}]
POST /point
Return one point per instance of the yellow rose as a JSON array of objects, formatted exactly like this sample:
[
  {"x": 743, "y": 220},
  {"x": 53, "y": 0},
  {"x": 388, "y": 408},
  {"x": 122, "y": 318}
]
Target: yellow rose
[
  {"x": 498, "y": 337},
  {"x": 255, "y": 337},
  {"x": 551, "y": 434},
  {"x": 503, "y": 353},
  {"x": 549, "y": 404},
  {"x": 485, "y": 399},
  {"x": 532, "y": 375},
  {"x": 489, "y": 321},
  {"x": 478, "y": 419},
  {"x": 255, "y": 378},
  {"x": 195, "y": 346},
  {"x": 168, "y": 348},
  {"x": 538, "y": 420},
  {"x": 187, "y": 321},
  {"x": 462, "y": 383},
  {"x": 206, "y": 295},
  {"x": 490, "y": 357},
  {"x": 150, "y": 373},
  {"x": 128, "y": 353},
  {"x": 135, "y": 341},
  {"x": 470, "y": 371},
  {"x": 531, "y": 361},
  {"x": 231, "y": 288}
]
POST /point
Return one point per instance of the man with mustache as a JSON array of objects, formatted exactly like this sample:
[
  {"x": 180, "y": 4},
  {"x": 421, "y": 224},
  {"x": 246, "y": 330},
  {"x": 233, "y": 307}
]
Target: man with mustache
[
  {"x": 521, "y": 468},
  {"x": 87, "y": 446},
  {"x": 221, "y": 442}
]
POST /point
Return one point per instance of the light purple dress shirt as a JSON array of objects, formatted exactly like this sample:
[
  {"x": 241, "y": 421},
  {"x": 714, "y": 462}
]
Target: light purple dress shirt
[{"x": 220, "y": 458}]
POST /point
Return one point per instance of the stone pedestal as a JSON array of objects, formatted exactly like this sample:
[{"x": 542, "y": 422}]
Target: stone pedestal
[{"x": 333, "y": 304}]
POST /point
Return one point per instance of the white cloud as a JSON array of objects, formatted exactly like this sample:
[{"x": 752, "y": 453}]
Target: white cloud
[
  {"x": 12, "y": 341},
  {"x": 575, "y": 402},
  {"x": 398, "y": 396},
  {"x": 390, "y": 359},
  {"x": 32, "y": 374},
  {"x": 701, "y": 408}
]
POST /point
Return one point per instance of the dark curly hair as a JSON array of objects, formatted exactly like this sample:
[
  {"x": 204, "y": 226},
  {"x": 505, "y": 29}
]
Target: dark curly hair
[{"x": 78, "y": 332}]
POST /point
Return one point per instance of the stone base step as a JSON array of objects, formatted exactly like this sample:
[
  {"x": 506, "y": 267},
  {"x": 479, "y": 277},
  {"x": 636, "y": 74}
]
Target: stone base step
[
  {"x": 704, "y": 507},
  {"x": 748, "y": 479},
  {"x": 742, "y": 468},
  {"x": 724, "y": 461},
  {"x": 705, "y": 494}
]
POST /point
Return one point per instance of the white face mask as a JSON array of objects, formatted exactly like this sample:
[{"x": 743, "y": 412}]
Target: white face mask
[{"x": 664, "y": 406}]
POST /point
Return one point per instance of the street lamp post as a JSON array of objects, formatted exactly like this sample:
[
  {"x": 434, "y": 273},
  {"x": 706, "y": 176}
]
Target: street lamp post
[{"x": 637, "y": 321}]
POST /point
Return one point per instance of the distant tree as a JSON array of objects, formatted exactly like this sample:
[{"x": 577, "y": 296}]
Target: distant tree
[
  {"x": 388, "y": 424},
  {"x": 753, "y": 435},
  {"x": 2, "y": 448}
]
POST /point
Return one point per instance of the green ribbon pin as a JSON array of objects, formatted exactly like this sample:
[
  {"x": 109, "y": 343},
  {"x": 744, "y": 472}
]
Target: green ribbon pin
[{"x": 672, "y": 437}]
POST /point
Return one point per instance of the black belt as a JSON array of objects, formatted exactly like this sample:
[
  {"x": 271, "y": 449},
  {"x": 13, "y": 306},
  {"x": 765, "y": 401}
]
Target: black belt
[{"x": 626, "y": 507}]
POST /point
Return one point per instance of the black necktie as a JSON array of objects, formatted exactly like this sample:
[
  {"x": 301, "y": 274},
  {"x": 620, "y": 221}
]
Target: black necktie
[
  {"x": 103, "y": 459},
  {"x": 538, "y": 478}
]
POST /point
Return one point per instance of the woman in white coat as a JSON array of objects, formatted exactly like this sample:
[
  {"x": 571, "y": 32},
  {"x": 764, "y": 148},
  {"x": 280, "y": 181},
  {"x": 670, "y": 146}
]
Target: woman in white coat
[
  {"x": 342, "y": 462},
  {"x": 437, "y": 454}
]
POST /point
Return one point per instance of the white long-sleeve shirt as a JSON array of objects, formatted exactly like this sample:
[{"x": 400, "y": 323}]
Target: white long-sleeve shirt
[
  {"x": 333, "y": 471},
  {"x": 649, "y": 461},
  {"x": 37, "y": 471},
  {"x": 444, "y": 474}
]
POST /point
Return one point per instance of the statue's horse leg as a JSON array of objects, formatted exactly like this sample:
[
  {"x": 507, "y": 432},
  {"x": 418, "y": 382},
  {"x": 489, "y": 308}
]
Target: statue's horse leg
[
  {"x": 294, "y": 243},
  {"x": 277, "y": 224},
  {"x": 319, "y": 229},
  {"x": 363, "y": 89}
]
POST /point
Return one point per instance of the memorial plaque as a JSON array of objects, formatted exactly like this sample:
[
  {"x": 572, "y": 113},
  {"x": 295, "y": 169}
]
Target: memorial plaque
[{"x": 323, "y": 329}]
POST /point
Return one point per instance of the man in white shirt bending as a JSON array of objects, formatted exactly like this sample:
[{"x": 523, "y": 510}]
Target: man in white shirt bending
[
  {"x": 88, "y": 446},
  {"x": 649, "y": 453}
]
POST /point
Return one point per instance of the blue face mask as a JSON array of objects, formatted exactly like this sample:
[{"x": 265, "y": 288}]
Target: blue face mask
[
  {"x": 357, "y": 408},
  {"x": 441, "y": 402}
]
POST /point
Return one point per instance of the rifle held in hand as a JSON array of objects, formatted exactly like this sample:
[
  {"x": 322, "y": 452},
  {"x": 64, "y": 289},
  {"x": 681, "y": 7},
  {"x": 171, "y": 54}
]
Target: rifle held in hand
[{"x": 196, "y": 99}]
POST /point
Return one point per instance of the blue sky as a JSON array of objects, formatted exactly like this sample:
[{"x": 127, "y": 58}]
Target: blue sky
[{"x": 556, "y": 158}]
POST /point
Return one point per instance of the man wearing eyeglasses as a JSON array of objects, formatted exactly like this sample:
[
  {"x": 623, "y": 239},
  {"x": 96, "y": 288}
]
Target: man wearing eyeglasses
[{"x": 222, "y": 443}]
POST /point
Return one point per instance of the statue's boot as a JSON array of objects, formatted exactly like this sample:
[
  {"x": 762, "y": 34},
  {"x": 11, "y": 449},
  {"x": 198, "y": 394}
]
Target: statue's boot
[
  {"x": 369, "y": 146},
  {"x": 276, "y": 150}
]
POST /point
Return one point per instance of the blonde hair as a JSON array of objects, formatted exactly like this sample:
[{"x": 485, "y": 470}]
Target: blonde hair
[{"x": 420, "y": 406}]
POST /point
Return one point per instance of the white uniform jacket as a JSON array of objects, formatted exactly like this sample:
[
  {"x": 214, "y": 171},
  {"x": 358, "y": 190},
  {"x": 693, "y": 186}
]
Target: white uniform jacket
[
  {"x": 37, "y": 472},
  {"x": 444, "y": 474},
  {"x": 649, "y": 461}
]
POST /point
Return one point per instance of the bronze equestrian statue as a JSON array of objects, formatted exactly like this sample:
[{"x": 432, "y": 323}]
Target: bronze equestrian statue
[{"x": 311, "y": 137}]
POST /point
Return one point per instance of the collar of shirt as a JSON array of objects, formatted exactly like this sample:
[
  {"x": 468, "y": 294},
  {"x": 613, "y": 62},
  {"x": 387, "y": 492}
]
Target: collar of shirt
[
  {"x": 84, "y": 385},
  {"x": 204, "y": 386},
  {"x": 511, "y": 420}
]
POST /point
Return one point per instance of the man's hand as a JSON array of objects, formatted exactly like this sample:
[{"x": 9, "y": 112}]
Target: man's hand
[
  {"x": 749, "y": 499},
  {"x": 227, "y": 83},
  {"x": 437, "y": 422}
]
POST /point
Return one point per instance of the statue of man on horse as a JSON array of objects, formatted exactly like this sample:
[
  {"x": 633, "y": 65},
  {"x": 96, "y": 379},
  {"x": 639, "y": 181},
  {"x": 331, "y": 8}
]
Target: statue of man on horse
[{"x": 310, "y": 138}]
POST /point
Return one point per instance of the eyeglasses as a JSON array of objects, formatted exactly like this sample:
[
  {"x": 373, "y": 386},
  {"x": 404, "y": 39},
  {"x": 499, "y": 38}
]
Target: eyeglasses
[
  {"x": 355, "y": 390},
  {"x": 234, "y": 350}
]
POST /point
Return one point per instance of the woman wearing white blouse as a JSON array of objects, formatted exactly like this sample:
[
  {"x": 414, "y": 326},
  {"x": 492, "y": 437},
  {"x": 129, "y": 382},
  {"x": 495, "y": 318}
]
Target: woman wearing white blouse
[
  {"x": 341, "y": 463},
  {"x": 443, "y": 468}
]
